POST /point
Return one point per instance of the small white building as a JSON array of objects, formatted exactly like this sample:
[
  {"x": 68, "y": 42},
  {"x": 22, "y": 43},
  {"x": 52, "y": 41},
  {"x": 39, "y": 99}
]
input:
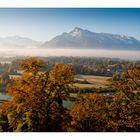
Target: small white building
[
  {"x": 5, "y": 62},
  {"x": 14, "y": 76},
  {"x": 20, "y": 71}
]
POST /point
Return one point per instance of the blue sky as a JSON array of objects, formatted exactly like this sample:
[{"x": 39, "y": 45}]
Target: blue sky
[{"x": 44, "y": 24}]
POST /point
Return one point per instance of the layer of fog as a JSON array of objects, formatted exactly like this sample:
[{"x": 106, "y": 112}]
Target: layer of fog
[{"x": 133, "y": 55}]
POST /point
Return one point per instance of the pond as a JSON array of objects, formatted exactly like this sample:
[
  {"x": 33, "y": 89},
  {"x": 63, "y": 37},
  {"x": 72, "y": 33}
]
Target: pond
[
  {"x": 68, "y": 104},
  {"x": 3, "y": 96}
]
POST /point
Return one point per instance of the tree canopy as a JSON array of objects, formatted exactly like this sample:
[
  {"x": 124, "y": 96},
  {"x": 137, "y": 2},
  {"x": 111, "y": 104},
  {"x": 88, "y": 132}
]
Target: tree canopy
[{"x": 37, "y": 97}]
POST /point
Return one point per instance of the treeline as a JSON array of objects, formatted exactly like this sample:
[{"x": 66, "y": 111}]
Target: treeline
[
  {"x": 110, "y": 90},
  {"x": 37, "y": 103},
  {"x": 84, "y": 65},
  {"x": 91, "y": 65},
  {"x": 7, "y": 69}
]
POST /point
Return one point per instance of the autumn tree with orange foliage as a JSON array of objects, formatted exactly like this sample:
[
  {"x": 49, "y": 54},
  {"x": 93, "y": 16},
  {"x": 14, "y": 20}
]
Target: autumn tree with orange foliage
[
  {"x": 36, "y": 103},
  {"x": 125, "y": 108},
  {"x": 89, "y": 113}
]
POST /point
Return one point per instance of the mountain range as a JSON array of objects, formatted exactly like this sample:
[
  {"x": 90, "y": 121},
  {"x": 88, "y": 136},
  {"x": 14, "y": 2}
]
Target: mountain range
[
  {"x": 80, "y": 38},
  {"x": 77, "y": 38},
  {"x": 18, "y": 42}
]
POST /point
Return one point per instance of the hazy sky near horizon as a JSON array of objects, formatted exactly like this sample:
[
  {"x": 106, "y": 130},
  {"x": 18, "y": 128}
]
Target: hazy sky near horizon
[{"x": 43, "y": 24}]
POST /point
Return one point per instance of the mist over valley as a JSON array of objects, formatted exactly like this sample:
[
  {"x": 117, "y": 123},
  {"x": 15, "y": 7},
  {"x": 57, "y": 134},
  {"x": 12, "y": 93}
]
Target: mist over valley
[{"x": 78, "y": 42}]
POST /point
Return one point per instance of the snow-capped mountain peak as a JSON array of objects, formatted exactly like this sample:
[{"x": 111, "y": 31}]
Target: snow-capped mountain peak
[
  {"x": 76, "y": 32},
  {"x": 81, "y": 38}
]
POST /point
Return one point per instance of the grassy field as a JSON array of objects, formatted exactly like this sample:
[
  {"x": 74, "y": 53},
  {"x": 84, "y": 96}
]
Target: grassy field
[{"x": 94, "y": 81}]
